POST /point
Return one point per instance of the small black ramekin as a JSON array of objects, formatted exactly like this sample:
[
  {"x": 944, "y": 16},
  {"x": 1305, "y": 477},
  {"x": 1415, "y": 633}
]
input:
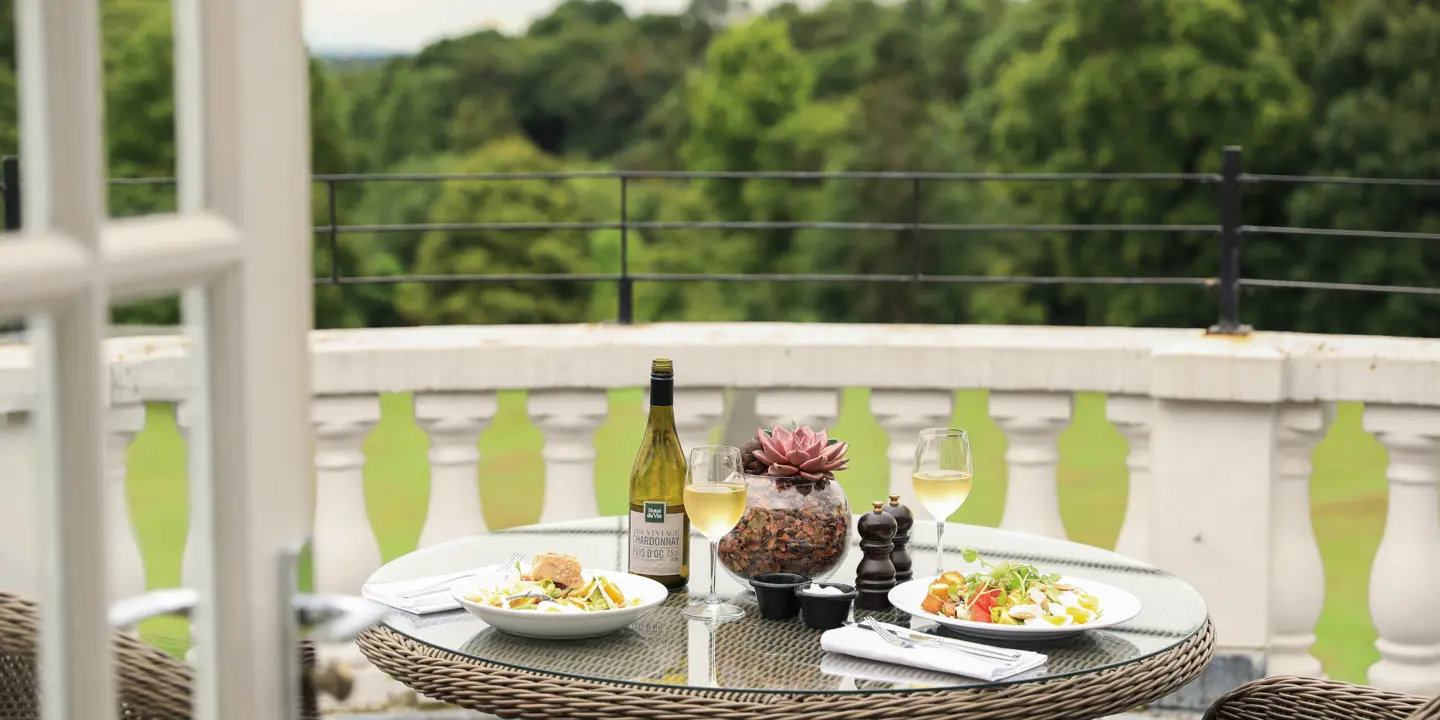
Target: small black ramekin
[
  {"x": 775, "y": 594},
  {"x": 826, "y": 612}
]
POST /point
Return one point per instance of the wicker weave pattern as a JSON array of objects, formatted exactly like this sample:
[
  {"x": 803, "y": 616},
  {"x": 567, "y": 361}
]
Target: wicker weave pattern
[
  {"x": 1304, "y": 698},
  {"x": 151, "y": 684},
  {"x": 508, "y": 693},
  {"x": 1430, "y": 711}
]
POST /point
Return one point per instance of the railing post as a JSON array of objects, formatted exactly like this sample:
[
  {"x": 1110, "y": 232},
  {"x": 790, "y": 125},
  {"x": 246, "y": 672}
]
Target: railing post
[
  {"x": 915, "y": 246},
  {"x": 1231, "y": 220},
  {"x": 334, "y": 223},
  {"x": 1211, "y": 512},
  {"x": 10, "y": 193},
  {"x": 10, "y": 176},
  {"x": 917, "y": 265},
  {"x": 627, "y": 286}
]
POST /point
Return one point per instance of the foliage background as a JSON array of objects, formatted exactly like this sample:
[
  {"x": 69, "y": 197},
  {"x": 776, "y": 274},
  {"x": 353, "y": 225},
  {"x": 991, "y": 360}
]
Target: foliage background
[{"x": 1346, "y": 87}]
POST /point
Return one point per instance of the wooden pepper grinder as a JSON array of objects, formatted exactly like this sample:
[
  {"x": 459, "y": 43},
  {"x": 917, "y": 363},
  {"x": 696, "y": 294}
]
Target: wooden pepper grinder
[
  {"x": 904, "y": 520},
  {"x": 876, "y": 574}
]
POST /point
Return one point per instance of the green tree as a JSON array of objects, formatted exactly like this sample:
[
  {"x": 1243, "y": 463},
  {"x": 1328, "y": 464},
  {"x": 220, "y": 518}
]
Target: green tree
[
  {"x": 752, "y": 80},
  {"x": 592, "y": 75},
  {"x": 1058, "y": 87},
  {"x": 1305, "y": 86},
  {"x": 388, "y": 253},
  {"x": 502, "y": 252},
  {"x": 903, "y": 117},
  {"x": 749, "y": 108},
  {"x": 838, "y": 40},
  {"x": 139, "y": 106},
  {"x": 9, "y": 112},
  {"x": 330, "y": 153},
  {"x": 140, "y": 131},
  {"x": 1378, "y": 116}
]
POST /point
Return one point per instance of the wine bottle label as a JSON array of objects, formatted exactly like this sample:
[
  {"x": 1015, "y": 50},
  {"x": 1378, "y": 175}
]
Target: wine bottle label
[{"x": 656, "y": 540}]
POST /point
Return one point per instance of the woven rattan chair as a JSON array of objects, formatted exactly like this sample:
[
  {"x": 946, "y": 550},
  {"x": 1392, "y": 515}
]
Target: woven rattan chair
[
  {"x": 152, "y": 685},
  {"x": 1302, "y": 698}
]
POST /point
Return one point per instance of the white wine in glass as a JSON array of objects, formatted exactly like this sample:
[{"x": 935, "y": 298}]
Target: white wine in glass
[
  {"x": 715, "y": 508},
  {"x": 942, "y": 479},
  {"x": 714, "y": 502},
  {"x": 941, "y": 492}
]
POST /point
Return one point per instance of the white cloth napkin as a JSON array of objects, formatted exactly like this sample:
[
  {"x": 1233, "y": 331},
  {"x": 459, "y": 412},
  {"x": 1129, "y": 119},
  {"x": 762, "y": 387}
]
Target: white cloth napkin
[
  {"x": 433, "y": 601},
  {"x": 854, "y": 668},
  {"x": 862, "y": 643}
]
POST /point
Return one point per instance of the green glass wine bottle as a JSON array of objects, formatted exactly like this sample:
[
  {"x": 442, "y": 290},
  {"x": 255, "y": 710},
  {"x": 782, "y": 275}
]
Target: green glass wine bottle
[{"x": 659, "y": 532}]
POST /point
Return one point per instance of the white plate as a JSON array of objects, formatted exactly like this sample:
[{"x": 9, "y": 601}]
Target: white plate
[
  {"x": 562, "y": 626},
  {"x": 1116, "y": 606}
]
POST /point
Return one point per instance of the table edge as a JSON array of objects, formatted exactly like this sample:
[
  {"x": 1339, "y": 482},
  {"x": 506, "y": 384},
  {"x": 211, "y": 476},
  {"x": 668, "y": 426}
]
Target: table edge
[{"x": 508, "y": 692}]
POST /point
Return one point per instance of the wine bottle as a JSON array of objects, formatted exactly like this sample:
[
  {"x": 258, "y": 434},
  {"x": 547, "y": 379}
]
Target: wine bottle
[{"x": 659, "y": 534}]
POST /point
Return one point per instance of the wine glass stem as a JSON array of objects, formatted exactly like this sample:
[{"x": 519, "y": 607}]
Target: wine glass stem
[
  {"x": 714, "y": 656},
  {"x": 714, "y": 561},
  {"x": 940, "y": 546}
]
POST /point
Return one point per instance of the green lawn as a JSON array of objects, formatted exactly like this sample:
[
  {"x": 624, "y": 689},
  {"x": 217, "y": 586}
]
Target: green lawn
[{"x": 1348, "y": 496}]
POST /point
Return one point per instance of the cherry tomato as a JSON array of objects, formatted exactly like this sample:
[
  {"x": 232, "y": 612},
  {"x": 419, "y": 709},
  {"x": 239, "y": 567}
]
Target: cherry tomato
[{"x": 984, "y": 600}]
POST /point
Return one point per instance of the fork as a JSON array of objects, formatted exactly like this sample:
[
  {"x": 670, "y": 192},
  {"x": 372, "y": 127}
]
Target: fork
[
  {"x": 508, "y": 564},
  {"x": 960, "y": 646}
]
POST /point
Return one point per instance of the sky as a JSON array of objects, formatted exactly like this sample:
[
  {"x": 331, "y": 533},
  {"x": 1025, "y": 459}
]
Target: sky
[{"x": 408, "y": 25}]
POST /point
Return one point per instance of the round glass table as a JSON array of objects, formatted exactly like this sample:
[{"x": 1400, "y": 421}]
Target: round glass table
[{"x": 666, "y": 665}]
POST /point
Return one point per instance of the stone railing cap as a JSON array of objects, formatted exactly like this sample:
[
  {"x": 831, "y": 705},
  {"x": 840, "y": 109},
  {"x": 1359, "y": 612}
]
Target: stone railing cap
[{"x": 1167, "y": 363}]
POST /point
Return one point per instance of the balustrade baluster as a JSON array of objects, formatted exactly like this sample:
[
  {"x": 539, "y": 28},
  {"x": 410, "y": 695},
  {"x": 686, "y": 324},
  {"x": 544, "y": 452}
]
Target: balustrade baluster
[
  {"x": 345, "y": 548},
  {"x": 903, "y": 414},
  {"x": 185, "y": 422},
  {"x": 189, "y": 573},
  {"x": 1403, "y": 581},
  {"x": 817, "y": 408},
  {"x": 1130, "y": 414},
  {"x": 1032, "y": 423},
  {"x": 568, "y": 420},
  {"x": 20, "y": 531},
  {"x": 126, "y": 566},
  {"x": 454, "y": 422},
  {"x": 1297, "y": 577},
  {"x": 698, "y": 412}
]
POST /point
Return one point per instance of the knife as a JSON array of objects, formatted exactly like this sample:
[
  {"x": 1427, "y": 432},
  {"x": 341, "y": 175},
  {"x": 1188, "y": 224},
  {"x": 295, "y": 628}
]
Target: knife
[{"x": 918, "y": 636}]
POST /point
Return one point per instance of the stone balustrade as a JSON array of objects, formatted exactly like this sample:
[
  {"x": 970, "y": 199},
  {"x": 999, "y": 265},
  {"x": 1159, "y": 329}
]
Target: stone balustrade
[{"x": 1220, "y": 433}]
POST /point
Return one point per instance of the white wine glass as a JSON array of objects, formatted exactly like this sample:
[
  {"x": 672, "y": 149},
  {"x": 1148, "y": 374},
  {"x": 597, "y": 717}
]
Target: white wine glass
[
  {"x": 942, "y": 479},
  {"x": 714, "y": 502}
]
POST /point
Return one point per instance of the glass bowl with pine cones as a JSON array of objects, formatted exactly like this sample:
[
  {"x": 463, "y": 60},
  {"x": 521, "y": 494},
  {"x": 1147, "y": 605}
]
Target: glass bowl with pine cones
[{"x": 797, "y": 518}]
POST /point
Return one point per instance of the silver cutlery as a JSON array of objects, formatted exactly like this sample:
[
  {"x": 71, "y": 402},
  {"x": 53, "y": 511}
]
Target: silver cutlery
[
  {"x": 917, "y": 639},
  {"x": 508, "y": 564}
]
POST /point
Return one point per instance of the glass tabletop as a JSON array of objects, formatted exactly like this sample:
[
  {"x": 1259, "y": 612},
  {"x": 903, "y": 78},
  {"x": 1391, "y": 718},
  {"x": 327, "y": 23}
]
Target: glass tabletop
[{"x": 757, "y": 655}]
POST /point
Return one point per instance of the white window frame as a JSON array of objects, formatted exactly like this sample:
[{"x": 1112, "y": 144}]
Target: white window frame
[{"x": 239, "y": 249}]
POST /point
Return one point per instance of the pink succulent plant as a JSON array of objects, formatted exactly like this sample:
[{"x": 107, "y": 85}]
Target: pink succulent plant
[{"x": 801, "y": 453}]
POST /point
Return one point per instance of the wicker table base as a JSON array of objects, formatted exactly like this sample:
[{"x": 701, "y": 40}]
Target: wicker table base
[{"x": 510, "y": 693}]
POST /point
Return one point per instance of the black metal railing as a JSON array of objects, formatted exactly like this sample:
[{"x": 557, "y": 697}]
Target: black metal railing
[{"x": 1229, "y": 231}]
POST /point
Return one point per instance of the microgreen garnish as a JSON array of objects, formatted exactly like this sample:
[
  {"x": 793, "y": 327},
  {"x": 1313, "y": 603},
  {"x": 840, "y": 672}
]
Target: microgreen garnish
[{"x": 1007, "y": 577}]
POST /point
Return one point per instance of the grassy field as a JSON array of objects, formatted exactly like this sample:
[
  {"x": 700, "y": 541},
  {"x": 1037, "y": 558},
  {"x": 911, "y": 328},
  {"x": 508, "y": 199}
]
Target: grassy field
[{"x": 1347, "y": 497}]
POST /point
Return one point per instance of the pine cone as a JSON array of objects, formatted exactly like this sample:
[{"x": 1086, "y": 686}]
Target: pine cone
[{"x": 752, "y": 464}]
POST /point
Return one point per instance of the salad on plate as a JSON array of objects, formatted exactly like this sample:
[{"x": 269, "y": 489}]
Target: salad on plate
[
  {"x": 555, "y": 583},
  {"x": 1009, "y": 593}
]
